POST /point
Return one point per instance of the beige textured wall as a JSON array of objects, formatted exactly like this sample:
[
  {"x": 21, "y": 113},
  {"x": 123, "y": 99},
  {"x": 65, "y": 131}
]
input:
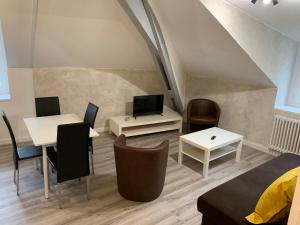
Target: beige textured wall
[
  {"x": 247, "y": 110},
  {"x": 112, "y": 90}
]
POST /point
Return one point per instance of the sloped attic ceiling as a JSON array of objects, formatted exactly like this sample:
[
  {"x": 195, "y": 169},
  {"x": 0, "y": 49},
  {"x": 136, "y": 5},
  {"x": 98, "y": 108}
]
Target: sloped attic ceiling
[
  {"x": 204, "y": 46},
  {"x": 284, "y": 17},
  {"x": 100, "y": 35},
  {"x": 97, "y": 34},
  {"x": 16, "y": 17}
]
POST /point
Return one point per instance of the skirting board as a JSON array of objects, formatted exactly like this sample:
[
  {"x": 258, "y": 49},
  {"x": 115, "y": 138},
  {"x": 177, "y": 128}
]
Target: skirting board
[
  {"x": 257, "y": 146},
  {"x": 102, "y": 129},
  {"x": 7, "y": 141},
  {"x": 247, "y": 143}
]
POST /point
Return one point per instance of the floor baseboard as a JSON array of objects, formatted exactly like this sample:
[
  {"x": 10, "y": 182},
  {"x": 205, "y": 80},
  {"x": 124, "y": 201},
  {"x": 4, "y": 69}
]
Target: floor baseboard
[
  {"x": 7, "y": 141},
  {"x": 257, "y": 146}
]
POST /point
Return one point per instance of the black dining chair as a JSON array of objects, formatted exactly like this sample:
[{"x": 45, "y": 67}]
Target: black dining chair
[
  {"x": 90, "y": 118},
  {"x": 47, "y": 106},
  {"x": 20, "y": 154},
  {"x": 71, "y": 157}
]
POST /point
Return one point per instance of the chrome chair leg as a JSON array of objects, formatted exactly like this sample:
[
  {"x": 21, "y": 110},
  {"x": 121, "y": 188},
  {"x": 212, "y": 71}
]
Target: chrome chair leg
[
  {"x": 14, "y": 175},
  {"x": 88, "y": 187},
  {"x": 92, "y": 162},
  {"x": 41, "y": 166},
  {"x": 59, "y": 195},
  {"x": 36, "y": 164},
  {"x": 18, "y": 182},
  {"x": 49, "y": 188}
]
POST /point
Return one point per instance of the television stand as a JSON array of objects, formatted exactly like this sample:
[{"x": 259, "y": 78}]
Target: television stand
[
  {"x": 144, "y": 115},
  {"x": 169, "y": 120}
]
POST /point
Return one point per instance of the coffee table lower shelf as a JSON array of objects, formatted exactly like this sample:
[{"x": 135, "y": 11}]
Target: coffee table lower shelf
[{"x": 198, "y": 155}]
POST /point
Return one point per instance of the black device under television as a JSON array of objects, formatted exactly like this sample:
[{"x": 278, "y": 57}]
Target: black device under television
[{"x": 148, "y": 105}]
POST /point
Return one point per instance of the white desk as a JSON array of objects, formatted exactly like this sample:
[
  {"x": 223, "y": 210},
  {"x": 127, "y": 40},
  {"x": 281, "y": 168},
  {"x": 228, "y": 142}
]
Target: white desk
[
  {"x": 201, "y": 148},
  {"x": 43, "y": 131}
]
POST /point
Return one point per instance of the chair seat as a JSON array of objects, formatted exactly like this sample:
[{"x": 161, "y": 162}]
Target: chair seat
[
  {"x": 29, "y": 152},
  {"x": 203, "y": 119},
  {"x": 52, "y": 157}
]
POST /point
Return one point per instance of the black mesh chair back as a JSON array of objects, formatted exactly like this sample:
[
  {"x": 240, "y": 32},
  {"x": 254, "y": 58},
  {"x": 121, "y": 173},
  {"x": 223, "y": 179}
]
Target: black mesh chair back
[
  {"x": 13, "y": 140},
  {"x": 72, "y": 151},
  {"x": 90, "y": 118},
  {"x": 91, "y": 114},
  {"x": 47, "y": 106}
]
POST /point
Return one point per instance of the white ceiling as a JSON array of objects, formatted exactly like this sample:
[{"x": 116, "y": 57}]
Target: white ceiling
[{"x": 284, "y": 17}]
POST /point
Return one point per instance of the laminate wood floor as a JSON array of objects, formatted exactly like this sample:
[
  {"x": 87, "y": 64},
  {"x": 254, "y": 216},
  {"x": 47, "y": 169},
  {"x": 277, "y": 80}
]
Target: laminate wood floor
[{"x": 176, "y": 205}]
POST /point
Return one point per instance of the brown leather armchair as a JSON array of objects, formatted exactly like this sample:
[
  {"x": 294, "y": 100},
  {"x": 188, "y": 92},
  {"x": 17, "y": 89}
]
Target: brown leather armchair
[
  {"x": 140, "y": 171},
  {"x": 202, "y": 114}
]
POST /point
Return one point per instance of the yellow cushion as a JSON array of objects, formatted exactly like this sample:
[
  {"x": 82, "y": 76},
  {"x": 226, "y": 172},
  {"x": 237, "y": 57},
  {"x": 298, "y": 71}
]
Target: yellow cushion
[{"x": 275, "y": 199}]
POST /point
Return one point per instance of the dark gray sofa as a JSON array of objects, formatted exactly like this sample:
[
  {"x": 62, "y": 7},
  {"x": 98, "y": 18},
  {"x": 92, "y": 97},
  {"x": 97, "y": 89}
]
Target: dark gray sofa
[{"x": 229, "y": 203}]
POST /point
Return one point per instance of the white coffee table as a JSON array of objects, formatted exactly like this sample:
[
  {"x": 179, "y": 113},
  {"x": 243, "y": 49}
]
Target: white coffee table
[{"x": 202, "y": 148}]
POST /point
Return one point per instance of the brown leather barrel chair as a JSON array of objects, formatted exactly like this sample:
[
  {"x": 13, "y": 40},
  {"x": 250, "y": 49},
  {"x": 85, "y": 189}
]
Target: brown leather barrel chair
[
  {"x": 140, "y": 171},
  {"x": 202, "y": 114}
]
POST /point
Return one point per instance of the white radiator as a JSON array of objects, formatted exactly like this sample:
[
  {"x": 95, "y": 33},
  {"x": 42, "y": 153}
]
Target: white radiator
[{"x": 285, "y": 135}]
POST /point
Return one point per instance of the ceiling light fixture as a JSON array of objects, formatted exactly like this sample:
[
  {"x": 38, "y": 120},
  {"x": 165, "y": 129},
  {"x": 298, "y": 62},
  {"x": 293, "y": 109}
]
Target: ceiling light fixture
[{"x": 267, "y": 2}]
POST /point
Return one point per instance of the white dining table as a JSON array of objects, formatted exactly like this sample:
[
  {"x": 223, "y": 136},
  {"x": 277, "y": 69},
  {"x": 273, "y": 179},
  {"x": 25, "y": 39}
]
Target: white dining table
[{"x": 43, "y": 131}]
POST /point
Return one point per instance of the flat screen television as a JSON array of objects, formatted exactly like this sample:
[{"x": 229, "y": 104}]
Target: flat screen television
[{"x": 148, "y": 105}]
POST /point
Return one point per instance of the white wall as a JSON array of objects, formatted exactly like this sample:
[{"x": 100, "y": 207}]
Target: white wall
[
  {"x": 4, "y": 89},
  {"x": 294, "y": 88},
  {"x": 16, "y": 19},
  {"x": 273, "y": 52},
  {"x": 20, "y": 106}
]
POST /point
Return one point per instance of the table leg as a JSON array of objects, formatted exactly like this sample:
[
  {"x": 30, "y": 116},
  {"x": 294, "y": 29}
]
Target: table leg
[
  {"x": 45, "y": 168},
  {"x": 206, "y": 163},
  {"x": 239, "y": 151},
  {"x": 88, "y": 187},
  {"x": 36, "y": 164},
  {"x": 180, "y": 127},
  {"x": 180, "y": 151}
]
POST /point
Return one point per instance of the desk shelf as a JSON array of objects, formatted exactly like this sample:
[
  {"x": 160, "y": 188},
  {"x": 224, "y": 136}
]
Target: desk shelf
[{"x": 198, "y": 154}]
